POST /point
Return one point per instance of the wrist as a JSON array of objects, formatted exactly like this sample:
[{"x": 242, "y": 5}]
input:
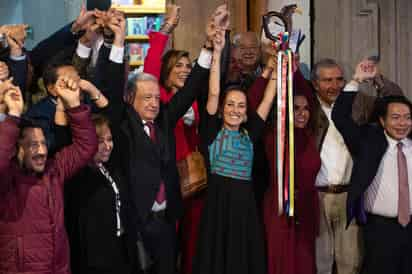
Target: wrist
[
  {"x": 266, "y": 73},
  {"x": 85, "y": 41},
  {"x": 167, "y": 28},
  {"x": 16, "y": 52},
  {"x": 15, "y": 113},
  {"x": 208, "y": 45},
  {"x": 119, "y": 42},
  {"x": 95, "y": 97},
  {"x": 72, "y": 104}
]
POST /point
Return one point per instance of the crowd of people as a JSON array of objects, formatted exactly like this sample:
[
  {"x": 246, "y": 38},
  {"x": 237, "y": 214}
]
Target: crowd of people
[{"x": 89, "y": 154}]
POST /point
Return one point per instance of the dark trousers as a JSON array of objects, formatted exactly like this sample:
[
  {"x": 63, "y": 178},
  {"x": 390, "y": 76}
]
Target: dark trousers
[
  {"x": 388, "y": 246},
  {"x": 160, "y": 239}
]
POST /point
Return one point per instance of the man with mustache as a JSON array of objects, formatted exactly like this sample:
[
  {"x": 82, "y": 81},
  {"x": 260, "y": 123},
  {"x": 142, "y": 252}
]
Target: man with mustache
[
  {"x": 246, "y": 47},
  {"x": 32, "y": 233}
]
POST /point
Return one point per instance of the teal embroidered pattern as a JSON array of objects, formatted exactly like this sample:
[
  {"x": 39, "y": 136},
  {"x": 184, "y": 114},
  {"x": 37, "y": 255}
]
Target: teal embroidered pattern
[{"x": 231, "y": 155}]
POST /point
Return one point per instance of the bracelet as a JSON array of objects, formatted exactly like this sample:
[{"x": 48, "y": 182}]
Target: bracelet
[{"x": 94, "y": 99}]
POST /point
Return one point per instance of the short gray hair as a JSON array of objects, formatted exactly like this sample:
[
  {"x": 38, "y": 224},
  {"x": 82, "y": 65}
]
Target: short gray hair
[
  {"x": 323, "y": 63},
  {"x": 237, "y": 38},
  {"x": 134, "y": 78}
]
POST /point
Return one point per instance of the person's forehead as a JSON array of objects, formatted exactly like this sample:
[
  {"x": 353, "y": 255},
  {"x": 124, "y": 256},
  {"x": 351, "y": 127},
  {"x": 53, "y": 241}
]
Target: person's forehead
[
  {"x": 34, "y": 135},
  {"x": 235, "y": 95},
  {"x": 248, "y": 39},
  {"x": 66, "y": 70},
  {"x": 183, "y": 60},
  {"x": 398, "y": 108},
  {"x": 300, "y": 100},
  {"x": 147, "y": 87},
  {"x": 333, "y": 71}
]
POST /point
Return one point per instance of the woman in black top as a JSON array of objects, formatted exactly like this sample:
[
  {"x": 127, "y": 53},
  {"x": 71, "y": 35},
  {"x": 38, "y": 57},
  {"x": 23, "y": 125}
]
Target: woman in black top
[{"x": 93, "y": 209}]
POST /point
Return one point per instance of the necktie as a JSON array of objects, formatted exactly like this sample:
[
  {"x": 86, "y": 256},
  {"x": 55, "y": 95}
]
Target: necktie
[
  {"x": 161, "y": 194},
  {"x": 404, "y": 214}
]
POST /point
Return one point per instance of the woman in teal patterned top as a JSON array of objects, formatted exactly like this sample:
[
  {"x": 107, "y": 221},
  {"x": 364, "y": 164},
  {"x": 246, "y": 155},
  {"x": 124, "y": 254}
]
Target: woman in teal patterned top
[{"x": 231, "y": 236}]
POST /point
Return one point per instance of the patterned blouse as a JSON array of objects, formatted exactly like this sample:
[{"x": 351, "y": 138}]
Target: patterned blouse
[{"x": 231, "y": 155}]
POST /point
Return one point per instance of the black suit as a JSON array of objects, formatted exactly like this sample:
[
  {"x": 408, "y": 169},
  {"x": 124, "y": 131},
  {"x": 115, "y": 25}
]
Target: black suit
[
  {"x": 388, "y": 247},
  {"x": 145, "y": 164}
]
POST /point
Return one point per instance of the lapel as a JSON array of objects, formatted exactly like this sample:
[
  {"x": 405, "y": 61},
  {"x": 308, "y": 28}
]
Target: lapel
[
  {"x": 133, "y": 128},
  {"x": 321, "y": 123}
]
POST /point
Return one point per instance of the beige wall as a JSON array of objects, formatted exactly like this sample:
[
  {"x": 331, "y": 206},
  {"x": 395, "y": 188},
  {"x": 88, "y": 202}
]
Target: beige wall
[
  {"x": 349, "y": 30},
  {"x": 190, "y": 35}
]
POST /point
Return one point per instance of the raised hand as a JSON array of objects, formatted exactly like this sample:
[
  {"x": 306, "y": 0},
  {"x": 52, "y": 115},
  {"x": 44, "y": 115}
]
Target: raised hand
[
  {"x": 13, "y": 99},
  {"x": 83, "y": 19},
  {"x": 4, "y": 71},
  {"x": 172, "y": 19},
  {"x": 16, "y": 35},
  {"x": 222, "y": 17},
  {"x": 93, "y": 31},
  {"x": 219, "y": 41},
  {"x": 69, "y": 92},
  {"x": 117, "y": 24},
  {"x": 365, "y": 70}
]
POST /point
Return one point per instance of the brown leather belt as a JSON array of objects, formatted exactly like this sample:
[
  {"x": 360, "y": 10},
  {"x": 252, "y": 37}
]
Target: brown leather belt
[{"x": 336, "y": 189}]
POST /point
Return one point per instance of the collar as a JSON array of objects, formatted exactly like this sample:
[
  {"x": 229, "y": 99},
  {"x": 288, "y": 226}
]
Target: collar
[
  {"x": 323, "y": 104},
  {"x": 393, "y": 143}
]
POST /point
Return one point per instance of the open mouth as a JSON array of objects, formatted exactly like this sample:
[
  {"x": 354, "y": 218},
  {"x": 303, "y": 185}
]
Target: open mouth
[{"x": 39, "y": 160}]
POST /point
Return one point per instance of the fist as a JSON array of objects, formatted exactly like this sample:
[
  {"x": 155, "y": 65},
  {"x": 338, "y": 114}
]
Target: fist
[
  {"x": 69, "y": 92},
  {"x": 13, "y": 99},
  {"x": 4, "y": 71}
]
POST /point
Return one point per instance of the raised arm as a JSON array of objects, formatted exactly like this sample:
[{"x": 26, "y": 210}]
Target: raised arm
[
  {"x": 17, "y": 61},
  {"x": 212, "y": 104},
  {"x": 268, "y": 97},
  {"x": 110, "y": 70},
  {"x": 75, "y": 156},
  {"x": 9, "y": 131},
  {"x": 342, "y": 110},
  {"x": 158, "y": 41}
]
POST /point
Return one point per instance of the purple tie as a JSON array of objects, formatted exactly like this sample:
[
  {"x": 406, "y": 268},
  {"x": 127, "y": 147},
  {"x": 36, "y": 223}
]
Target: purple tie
[
  {"x": 161, "y": 194},
  {"x": 404, "y": 215}
]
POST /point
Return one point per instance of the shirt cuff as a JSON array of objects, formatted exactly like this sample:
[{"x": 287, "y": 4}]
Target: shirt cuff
[
  {"x": 116, "y": 54},
  {"x": 18, "y": 58},
  {"x": 205, "y": 58},
  {"x": 83, "y": 51},
  {"x": 352, "y": 86}
]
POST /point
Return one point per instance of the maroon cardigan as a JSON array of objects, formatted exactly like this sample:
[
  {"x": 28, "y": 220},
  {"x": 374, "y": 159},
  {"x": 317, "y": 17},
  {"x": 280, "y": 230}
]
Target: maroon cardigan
[{"x": 32, "y": 234}]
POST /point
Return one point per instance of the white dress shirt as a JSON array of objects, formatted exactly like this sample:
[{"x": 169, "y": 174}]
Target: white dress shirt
[
  {"x": 381, "y": 197},
  {"x": 336, "y": 161},
  {"x": 116, "y": 53}
]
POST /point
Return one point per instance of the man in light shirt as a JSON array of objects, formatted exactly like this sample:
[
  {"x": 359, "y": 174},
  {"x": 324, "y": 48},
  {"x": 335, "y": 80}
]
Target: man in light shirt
[
  {"x": 336, "y": 244},
  {"x": 379, "y": 194}
]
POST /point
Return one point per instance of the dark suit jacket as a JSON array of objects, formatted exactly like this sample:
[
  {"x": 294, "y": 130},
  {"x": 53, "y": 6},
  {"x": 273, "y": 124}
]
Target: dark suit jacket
[
  {"x": 367, "y": 144},
  {"x": 144, "y": 165}
]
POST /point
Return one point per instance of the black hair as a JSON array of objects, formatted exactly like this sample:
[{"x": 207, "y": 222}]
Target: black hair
[
  {"x": 382, "y": 104},
  {"x": 50, "y": 72},
  {"x": 26, "y": 123},
  {"x": 228, "y": 89}
]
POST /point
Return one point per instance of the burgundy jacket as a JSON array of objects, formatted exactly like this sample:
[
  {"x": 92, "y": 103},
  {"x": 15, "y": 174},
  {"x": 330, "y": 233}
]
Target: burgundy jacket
[{"x": 32, "y": 234}]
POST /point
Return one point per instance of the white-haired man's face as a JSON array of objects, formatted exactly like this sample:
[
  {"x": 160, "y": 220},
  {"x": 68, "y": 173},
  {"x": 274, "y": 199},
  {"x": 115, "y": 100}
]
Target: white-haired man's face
[{"x": 147, "y": 100}]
